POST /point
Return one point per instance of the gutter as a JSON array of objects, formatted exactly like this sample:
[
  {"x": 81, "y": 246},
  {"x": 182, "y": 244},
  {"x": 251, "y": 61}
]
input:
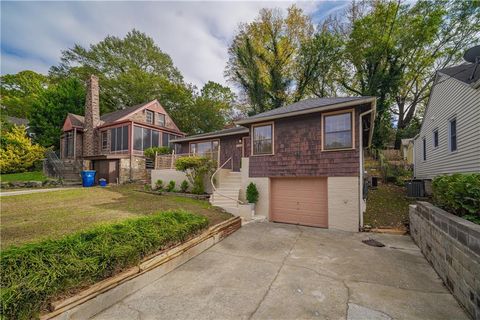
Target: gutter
[
  {"x": 212, "y": 135},
  {"x": 307, "y": 111},
  {"x": 360, "y": 182}
]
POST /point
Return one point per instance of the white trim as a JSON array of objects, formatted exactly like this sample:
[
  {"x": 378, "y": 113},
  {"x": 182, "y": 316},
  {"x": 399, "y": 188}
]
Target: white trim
[
  {"x": 252, "y": 134},
  {"x": 360, "y": 141}
]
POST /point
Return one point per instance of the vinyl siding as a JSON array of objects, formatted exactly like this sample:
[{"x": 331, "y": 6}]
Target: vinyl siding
[{"x": 450, "y": 99}]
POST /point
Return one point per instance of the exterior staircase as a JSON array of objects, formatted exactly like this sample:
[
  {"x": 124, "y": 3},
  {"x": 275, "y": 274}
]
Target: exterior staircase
[
  {"x": 71, "y": 172},
  {"x": 227, "y": 193}
]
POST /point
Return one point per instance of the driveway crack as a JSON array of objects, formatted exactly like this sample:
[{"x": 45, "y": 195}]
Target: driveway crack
[{"x": 278, "y": 272}]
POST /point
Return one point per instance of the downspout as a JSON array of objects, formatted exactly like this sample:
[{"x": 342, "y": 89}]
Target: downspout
[
  {"x": 360, "y": 182},
  {"x": 130, "y": 147}
]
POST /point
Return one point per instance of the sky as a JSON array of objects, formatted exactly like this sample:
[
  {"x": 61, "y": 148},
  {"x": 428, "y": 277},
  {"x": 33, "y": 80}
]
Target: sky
[{"x": 195, "y": 34}]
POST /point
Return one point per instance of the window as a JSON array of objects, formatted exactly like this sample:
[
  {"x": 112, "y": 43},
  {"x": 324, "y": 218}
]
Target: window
[
  {"x": 105, "y": 140},
  {"x": 424, "y": 149},
  {"x": 452, "y": 132},
  {"x": 161, "y": 120},
  {"x": 165, "y": 139},
  {"x": 149, "y": 116},
  {"x": 144, "y": 138},
  {"x": 337, "y": 131},
  {"x": 262, "y": 139},
  {"x": 118, "y": 139},
  {"x": 68, "y": 151},
  {"x": 435, "y": 138},
  {"x": 205, "y": 148}
]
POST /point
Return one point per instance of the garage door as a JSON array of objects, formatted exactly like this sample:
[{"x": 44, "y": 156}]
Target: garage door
[{"x": 299, "y": 201}]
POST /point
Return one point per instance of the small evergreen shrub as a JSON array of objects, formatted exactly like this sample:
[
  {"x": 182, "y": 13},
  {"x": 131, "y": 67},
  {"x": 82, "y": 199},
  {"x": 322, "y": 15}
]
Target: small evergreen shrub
[
  {"x": 184, "y": 186},
  {"x": 458, "y": 194},
  {"x": 171, "y": 186},
  {"x": 159, "y": 185},
  {"x": 252, "y": 193}
]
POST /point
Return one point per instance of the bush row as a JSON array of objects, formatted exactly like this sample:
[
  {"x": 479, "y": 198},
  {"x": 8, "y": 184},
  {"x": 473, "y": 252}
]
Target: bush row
[
  {"x": 459, "y": 194},
  {"x": 34, "y": 274}
]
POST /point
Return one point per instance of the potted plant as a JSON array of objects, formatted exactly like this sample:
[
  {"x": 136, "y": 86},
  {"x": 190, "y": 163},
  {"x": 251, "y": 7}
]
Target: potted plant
[{"x": 252, "y": 195}]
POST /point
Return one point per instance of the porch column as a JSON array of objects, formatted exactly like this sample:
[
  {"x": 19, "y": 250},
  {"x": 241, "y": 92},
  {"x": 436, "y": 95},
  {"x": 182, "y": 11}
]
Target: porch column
[{"x": 74, "y": 143}]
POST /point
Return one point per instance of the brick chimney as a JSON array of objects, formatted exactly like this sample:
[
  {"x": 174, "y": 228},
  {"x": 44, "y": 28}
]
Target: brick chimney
[{"x": 92, "y": 116}]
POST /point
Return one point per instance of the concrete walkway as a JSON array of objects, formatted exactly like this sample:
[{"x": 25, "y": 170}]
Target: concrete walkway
[
  {"x": 20, "y": 192},
  {"x": 277, "y": 271}
]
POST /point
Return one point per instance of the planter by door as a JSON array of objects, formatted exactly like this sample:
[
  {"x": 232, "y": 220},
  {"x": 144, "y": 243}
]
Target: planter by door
[{"x": 301, "y": 201}]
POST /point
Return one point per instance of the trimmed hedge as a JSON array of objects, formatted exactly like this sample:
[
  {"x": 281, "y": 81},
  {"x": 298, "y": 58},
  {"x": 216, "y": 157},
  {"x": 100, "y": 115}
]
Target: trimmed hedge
[
  {"x": 459, "y": 194},
  {"x": 37, "y": 273}
]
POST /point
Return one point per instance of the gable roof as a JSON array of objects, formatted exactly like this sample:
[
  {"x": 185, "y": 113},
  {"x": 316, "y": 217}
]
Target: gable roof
[
  {"x": 307, "y": 106},
  {"x": 214, "y": 134},
  {"x": 119, "y": 114},
  {"x": 467, "y": 72},
  {"x": 76, "y": 120}
]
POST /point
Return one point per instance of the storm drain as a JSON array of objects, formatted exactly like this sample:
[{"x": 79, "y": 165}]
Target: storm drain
[{"x": 373, "y": 243}]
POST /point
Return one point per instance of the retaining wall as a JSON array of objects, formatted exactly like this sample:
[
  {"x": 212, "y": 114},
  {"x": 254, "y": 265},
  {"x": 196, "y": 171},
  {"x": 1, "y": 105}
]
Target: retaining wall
[{"x": 452, "y": 245}]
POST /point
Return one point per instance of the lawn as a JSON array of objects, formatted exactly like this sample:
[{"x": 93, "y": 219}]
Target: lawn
[
  {"x": 387, "y": 206},
  {"x": 24, "y": 176},
  {"x": 32, "y": 217}
]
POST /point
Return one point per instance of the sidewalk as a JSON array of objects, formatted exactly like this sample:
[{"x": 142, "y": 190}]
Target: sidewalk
[{"x": 20, "y": 192}]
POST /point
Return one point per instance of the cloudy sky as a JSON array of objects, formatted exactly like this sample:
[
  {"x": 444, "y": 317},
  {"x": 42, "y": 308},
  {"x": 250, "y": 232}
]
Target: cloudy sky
[{"x": 195, "y": 34}]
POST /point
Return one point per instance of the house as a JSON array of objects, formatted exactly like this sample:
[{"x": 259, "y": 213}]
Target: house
[
  {"x": 21, "y": 122},
  {"x": 449, "y": 139},
  {"x": 305, "y": 158},
  {"x": 407, "y": 150},
  {"x": 113, "y": 144}
]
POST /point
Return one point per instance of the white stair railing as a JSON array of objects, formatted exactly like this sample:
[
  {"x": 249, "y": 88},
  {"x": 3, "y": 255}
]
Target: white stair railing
[{"x": 237, "y": 202}]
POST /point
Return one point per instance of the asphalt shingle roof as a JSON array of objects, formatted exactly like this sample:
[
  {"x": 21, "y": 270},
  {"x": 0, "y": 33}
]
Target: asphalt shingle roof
[
  {"x": 463, "y": 72},
  {"x": 116, "y": 115},
  {"x": 304, "y": 105}
]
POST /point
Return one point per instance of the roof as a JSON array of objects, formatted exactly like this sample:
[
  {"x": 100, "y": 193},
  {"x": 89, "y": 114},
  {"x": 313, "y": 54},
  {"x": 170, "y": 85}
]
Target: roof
[
  {"x": 214, "y": 134},
  {"x": 464, "y": 72},
  {"x": 406, "y": 142},
  {"x": 306, "y": 106},
  {"x": 77, "y": 120},
  {"x": 117, "y": 115},
  {"x": 17, "y": 121}
]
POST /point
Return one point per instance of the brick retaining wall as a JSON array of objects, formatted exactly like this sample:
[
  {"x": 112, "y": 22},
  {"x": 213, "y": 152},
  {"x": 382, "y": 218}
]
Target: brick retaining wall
[{"x": 452, "y": 245}]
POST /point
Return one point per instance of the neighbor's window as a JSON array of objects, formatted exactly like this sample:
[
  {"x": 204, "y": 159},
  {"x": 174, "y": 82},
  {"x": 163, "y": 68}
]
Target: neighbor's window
[
  {"x": 337, "y": 131},
  {"x": 435, "y": 138},
  {"x": 119, "y": 139},
  {"x": 104, "y": 140},
  {"x": 161, "y": 120},
  {"x": 263, "y": 139},
  {"x": 149, "y": 116},
  {"x": 424, "y": 149},
  {"x": 453, "y": 135},
  {"x": 204, "y": 148}
]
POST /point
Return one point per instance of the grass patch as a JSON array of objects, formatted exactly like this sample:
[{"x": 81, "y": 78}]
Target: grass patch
[
  {"x": 59, "y": 213},
  {"x": 34, "y": 274},
  {"x": 24, "y": 176},
  {"x": 387, "y": 206}
]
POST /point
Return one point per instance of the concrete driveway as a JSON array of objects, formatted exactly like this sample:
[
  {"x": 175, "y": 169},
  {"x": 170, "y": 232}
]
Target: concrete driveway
[{"x": 278, "y": 271}]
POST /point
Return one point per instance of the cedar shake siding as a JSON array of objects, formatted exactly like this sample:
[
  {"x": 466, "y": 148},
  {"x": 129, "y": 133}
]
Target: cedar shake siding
[{"x": 298, "y": 151}]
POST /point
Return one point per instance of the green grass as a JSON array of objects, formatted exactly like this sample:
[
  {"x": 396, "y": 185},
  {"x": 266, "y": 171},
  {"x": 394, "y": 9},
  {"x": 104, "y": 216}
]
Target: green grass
[
  {"x": 24, "y": 176},
  {"x": 34, "y": 274},
  {"x": 33, "y": 217},
  {"x": 387, "y": 206}
]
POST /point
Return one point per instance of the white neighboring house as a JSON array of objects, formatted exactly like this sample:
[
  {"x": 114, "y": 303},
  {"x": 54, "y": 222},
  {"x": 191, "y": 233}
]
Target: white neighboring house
[{"x": 449, "y": 139}]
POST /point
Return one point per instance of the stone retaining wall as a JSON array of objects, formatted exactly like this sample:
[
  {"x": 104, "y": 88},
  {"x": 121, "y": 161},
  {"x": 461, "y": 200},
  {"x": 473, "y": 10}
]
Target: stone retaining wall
[{"x": 452, "y": 245}]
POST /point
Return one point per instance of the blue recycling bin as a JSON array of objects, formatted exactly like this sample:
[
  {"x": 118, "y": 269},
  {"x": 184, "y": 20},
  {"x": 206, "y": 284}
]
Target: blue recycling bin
[
  {"x": 88, "y": 178},
  {"x": 102, "y": 182}
]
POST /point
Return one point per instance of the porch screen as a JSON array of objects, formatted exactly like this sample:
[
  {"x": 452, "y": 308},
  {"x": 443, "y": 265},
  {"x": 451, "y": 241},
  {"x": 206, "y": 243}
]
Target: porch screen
[
  {"x": 144, "y": 138},
  {"x": 119, "y": 139}
]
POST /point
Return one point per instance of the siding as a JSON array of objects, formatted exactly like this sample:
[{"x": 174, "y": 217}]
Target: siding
[{"x": 450, "y": 99}]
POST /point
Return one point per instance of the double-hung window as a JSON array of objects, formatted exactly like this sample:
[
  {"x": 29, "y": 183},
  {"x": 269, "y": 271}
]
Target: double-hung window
[
  {"x": 337, "y": 131},
  {"x": 452, "y": 135},
  {"x": 161, "y": 119},
  {"x": 262, "y": 139},
  {"x": 149, "y": 116},
  {"x": 105, "y": 140}
]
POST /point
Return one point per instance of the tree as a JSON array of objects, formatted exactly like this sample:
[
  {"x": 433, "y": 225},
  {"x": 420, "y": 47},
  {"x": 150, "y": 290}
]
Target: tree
[
  {"x": 52, "y": 107},
  {"x": 20, "y": 91},
  {"x": 131, "y": 70},
  {"x": 17, "y": 152},
  {"x": 263, "y": 57}
]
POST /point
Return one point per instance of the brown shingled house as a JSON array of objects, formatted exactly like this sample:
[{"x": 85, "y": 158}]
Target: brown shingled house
[
  {"x": 305, "y": 158},
  {"x": 113, "y": 144}
]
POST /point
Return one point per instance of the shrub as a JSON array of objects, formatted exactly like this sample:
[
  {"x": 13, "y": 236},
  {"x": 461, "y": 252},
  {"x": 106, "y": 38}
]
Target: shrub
[
  {"x": 458, "y": 193},
  {"x": 252, "y": 193},
  {"x": 159, "y": 185},
  {"x": 37, "y": 273},
  {"x": 196, "y": 169},
  {"x": 184, "y": 186},
  {"x": 171, "y": 186},
  {"x": 147, "y": 187},
  {"x": 150, "y": 152},
  {"x": 17, "y": 152}
]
